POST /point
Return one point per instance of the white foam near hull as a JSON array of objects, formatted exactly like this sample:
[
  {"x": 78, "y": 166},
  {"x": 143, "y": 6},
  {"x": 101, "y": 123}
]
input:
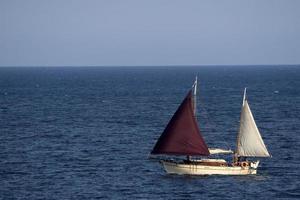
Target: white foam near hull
[{"x": 196, "y": 169}]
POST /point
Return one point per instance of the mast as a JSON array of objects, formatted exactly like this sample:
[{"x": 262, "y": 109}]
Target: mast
[
  {"x": 236, "y": 159},
  {"x": 195, "y": 95},
  {"x": 188, "y": 157},
  {"x": 244, "y": 97}
]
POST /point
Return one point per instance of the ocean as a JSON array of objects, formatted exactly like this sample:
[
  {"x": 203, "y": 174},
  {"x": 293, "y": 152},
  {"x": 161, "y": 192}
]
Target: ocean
[{"x": 86, "y": 132}]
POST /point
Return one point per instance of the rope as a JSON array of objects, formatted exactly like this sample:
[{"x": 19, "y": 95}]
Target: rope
[{"x": 211, "y": 124}]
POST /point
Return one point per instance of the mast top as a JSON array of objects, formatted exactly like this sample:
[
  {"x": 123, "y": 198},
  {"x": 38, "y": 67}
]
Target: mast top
[
  {"x": 195, "y": 96},
  {"x": 244, "y": 98},
  {"x": 195, "y": 86}
]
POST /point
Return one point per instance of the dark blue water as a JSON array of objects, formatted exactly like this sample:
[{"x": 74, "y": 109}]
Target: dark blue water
[{"x": 85, "y": 133}]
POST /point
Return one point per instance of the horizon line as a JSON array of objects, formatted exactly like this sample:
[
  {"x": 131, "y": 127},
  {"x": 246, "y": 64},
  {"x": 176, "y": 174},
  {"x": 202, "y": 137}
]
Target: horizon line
[{"x": 181, "y": 65}]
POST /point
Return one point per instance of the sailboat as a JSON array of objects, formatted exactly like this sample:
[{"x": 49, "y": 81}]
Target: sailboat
[{"x": 182, "y": 137}]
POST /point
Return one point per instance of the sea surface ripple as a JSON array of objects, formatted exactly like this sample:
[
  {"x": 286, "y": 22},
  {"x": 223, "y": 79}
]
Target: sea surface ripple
[{"x": 86, "y": 132}]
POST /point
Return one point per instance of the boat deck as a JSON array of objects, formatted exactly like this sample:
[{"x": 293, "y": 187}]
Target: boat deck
[{"x": 207, "y": 162}]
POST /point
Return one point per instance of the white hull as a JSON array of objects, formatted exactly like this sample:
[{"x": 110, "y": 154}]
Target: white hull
[{"x": 196, "y": 169}]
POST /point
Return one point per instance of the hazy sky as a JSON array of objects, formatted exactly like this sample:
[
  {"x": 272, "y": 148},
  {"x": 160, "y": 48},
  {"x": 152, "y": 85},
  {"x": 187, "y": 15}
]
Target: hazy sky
[{"x": 152, "y": 32}]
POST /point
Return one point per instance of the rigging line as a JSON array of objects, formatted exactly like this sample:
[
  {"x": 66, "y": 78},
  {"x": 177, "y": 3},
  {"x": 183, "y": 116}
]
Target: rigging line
[
  {"x": 215, "y": 127},
  {"x": 212, "y": 124}
]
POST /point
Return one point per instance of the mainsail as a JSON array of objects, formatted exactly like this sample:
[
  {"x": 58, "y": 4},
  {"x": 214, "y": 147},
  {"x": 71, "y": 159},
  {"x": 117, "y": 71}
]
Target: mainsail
[
  {"x": 182, "y": 135},
  {"x": 249, "y": 140}
]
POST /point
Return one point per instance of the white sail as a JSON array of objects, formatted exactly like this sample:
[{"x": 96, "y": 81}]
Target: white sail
[{"x": 249, "y": 140}]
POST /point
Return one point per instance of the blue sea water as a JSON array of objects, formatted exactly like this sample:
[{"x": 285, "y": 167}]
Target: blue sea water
[{"x": 86, "y": 132}]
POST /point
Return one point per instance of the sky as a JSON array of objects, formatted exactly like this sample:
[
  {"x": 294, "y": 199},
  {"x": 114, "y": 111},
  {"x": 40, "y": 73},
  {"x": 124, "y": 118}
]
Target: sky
[{"x": 153, "y": 32}]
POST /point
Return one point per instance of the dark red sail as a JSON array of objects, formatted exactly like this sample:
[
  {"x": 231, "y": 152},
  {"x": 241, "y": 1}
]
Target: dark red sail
[{"x": 182, "y": 135}]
